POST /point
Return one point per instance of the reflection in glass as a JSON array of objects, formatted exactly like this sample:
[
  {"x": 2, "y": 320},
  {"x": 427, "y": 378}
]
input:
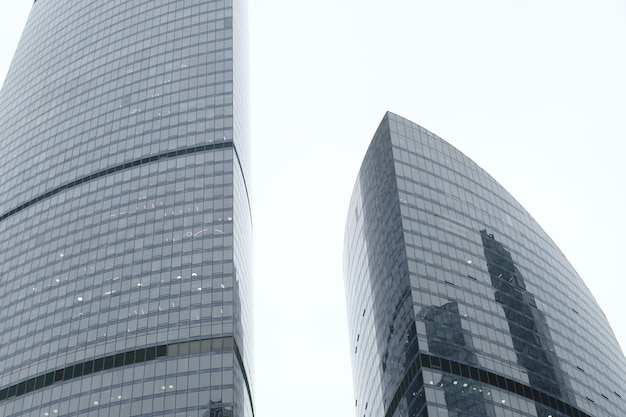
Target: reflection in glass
[
  {"x": 446, "y": 338},
  {"x": 216, "y": 409},
  {"x": 530, "y": 333}
]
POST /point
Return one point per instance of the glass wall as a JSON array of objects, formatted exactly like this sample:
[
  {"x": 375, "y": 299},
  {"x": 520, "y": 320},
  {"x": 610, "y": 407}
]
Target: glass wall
[
  {"x": 125, "y": 224},
  {"x": 464, "y": 296}
]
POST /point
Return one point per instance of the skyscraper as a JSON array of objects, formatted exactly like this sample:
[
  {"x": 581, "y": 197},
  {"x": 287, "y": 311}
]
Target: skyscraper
[
  {"x": 125, "y": 225},
  {"x": 459, "y": 304}
]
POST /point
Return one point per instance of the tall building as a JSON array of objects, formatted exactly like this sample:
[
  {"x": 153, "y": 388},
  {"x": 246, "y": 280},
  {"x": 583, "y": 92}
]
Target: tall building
[
  {"x": 125, "y": 227},
  {"x": 459, "y": 304}
]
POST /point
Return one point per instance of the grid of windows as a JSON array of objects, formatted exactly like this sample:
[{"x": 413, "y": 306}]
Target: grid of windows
[
  {"x": 125, "y": 219},
  {"x": 448, "y": 265}
]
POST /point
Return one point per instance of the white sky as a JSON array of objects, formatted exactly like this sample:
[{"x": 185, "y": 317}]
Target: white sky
[{"x": 533, "y": 91}]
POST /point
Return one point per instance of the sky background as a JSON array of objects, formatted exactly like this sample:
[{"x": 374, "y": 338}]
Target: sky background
[{"x": 534, "y": 92}]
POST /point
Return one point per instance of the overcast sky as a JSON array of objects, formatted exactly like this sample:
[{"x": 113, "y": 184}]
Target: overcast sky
[{"x": 533, "y": 91}]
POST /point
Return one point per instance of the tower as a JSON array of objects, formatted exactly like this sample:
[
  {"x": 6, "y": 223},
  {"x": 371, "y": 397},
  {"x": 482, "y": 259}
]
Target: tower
[
  {"x": 125, "y": 226},
  {"x": 459, "y": 304}
]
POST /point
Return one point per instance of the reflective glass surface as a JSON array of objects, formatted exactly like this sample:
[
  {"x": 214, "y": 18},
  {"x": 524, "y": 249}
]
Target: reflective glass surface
[
  {"x": 125, "y": 228},
  {"x": 459, "y": 304}
]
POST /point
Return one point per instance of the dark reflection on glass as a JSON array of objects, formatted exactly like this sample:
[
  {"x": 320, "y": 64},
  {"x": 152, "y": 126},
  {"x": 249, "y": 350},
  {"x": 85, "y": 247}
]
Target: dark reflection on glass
[
  {"x": 216, "y": 409},
  {"x": 446, "y": 338},
  {"x": 409, "y": 398},
  {"x": 530, "y": 333}
]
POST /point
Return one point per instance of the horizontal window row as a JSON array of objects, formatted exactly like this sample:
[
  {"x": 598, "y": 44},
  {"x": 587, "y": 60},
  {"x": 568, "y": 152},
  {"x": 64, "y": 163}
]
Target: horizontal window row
[
  {"x": 480, "y": 375},
  {"x": 499, "y": 381},
  {"x": 111, "y": 170},
  {"x": 119, "y": 360}
]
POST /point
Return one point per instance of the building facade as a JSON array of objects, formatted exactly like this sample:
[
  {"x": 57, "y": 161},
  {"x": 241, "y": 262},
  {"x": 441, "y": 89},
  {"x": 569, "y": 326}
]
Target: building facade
[
  {"x": 125, "y": 226},
  {"x": 459, "y": 304}
]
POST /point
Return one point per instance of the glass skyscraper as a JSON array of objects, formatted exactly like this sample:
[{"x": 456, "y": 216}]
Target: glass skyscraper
[
  {"x": 125, "y": 227},
  {"x": 459, "y": 304}
]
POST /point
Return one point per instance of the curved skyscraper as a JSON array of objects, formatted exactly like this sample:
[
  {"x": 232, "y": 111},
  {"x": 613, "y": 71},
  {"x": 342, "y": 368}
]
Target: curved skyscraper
[
  {"x": 459, "y": 304},
  {"x": 125, "y": 225}
]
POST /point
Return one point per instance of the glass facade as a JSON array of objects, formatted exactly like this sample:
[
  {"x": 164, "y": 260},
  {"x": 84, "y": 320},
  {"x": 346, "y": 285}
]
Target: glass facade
[
  {"x": 459, "y": 304},
  {"x": 125, "y": 226}
]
